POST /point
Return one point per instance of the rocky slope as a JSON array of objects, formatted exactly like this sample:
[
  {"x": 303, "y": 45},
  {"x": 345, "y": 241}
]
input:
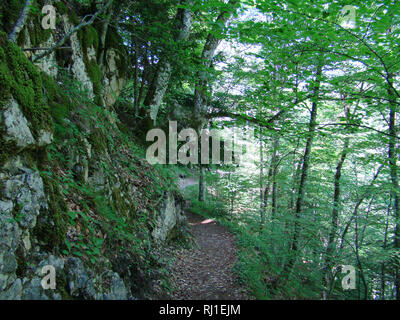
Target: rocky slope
[{"x": 75, "y": 191}]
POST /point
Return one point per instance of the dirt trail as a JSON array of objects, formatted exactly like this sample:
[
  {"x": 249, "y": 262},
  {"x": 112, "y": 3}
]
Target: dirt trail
[{"x": 205, "y": 272}]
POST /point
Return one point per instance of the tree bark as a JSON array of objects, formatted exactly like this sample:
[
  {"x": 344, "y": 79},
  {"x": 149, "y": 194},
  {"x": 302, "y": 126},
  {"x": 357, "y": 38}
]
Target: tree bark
[
  {"x": 271, "y": 176},
  {"x": 103, "y": 35},
  {"x": 335, "y": 213},
  {"x": 394, "y": 177},
  {"x": 160, "y": 82},
  {"x": 304, "y": 172},
  {"x": 382, "y": 292},
  {"x": 202, "y": 183},
  {"x": 212, "y": 42},
  {"x": 19, "y": 25},
  {"x": 73, "y": 30}
]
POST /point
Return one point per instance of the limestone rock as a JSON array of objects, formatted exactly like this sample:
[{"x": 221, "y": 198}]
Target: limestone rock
[
  {"x": 170, "y": 216},
  {"x": 12, "y": 293},
  {"x": 16, "y": 126},
  {"x": 27, "y": 191}
]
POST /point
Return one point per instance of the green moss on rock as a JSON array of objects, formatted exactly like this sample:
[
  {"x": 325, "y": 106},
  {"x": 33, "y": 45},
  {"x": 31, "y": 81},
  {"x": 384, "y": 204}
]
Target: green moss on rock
[
  {"x": 89, "y": 38},
  {"x": 51, "y": 229},
  {"x": 59, "y": 103},
  {"x": 21, "y": 79},
  {"x": 114, "y": 41},
  {"x": 98, "y": 140}
]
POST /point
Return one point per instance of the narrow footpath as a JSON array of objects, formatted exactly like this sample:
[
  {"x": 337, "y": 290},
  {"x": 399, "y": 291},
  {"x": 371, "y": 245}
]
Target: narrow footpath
[{"x": 204, "y": 272}]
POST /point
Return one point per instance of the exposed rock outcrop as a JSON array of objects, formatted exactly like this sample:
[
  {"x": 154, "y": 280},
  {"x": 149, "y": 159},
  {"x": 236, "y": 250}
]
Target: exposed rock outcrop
[{"x": 73, "y": 193}]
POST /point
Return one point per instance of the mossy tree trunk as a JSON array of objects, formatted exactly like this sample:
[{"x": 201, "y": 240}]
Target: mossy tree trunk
[{"x": 162, "y": 75}]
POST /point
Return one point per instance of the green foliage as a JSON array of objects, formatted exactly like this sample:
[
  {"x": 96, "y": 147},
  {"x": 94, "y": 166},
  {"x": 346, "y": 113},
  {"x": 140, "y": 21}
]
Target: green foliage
[{"x": 21, "y": 79}]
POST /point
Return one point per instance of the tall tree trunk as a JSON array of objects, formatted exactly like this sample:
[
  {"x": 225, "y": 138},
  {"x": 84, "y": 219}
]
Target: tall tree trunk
[
  {"x": 262, "y": 210},
  {"x": 271, "y": 171},
  {"x": 304, "y": 172},
  {"x": 383, "y": 278},
  {"x": 357, "y": 246},
  {"x": 202, "y": 183},
  {"x": 210, "y": 46},
  {"x": 335, "y": 214},
  {"x": 394, "y": 178},
  {"x": 274, "y": 191},
  {"x": 160, "y": 82},
  {"x": 19, "y": 25},
  {"x": 103, "y": 35}
]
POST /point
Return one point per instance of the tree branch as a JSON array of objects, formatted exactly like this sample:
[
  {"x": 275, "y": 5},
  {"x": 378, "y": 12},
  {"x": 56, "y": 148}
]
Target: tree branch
[
  {"x": 73, "y": 30},
  {"x": 19, "y": 25}
]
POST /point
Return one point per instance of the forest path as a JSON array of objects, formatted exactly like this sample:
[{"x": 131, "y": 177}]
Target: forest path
[{"x": 204, "y": 272}]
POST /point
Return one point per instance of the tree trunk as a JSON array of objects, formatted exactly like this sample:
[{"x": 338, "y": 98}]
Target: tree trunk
[
  {"x": 394, "y": 178},
  {"x": 202, "y": 183},
  {"x": 357, "y": 250},
  {"x": 200, "y": 94},
  {"x": 19, "y": 25},
  {"x": 335, "y": 214},
  {"x": 160, "y": 82},
  {"x": 262, "y": 210},
  {"x": 304, "y": 172},
  {"x": 103, "y": 35},
  {"x": 382, "y": 293},
  {"x": 271, "y": 171}
]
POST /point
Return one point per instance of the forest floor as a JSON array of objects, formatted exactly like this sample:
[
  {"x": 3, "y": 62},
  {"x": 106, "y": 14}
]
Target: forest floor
[{"x": 204, "y": 272}]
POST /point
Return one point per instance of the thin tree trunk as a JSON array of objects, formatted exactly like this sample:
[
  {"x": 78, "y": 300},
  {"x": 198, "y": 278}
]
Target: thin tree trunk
[
  {"x": 394, "y": 177},
  {"x": 271, "y": 171},
  {"x": 103, "y": 35},
  {"x": 162, "y": 76},
  {"x": 360, "y": 267},
  {"x": 210, "y": 46},
  {"x": 202, "y": 183},
  {"x": 304, "y": 172},
  {"x": 335, "y": 214},
  {"x": 382, "y": 293},
  {"x": 262, "y": 209},
  {"x": 19, "y": 25}
]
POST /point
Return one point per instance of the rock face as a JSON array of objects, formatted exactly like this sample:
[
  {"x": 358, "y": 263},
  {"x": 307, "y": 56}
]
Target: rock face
[
  {"x": 34, "y": 205},
  {"x": 16, "y": 126},
  {"x": 78, "y": 67},
  {"x": 170, "y": 220},
  {"x": 113, "y": 83}
]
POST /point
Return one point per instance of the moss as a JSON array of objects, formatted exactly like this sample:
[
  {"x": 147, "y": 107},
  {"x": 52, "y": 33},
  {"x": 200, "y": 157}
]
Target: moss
[
  {"x": 98, "y": 140},
  {"x": 89, "y": 38},
  {"x": 118, "y": 203},
  {"x": 59, "y": 103},
  {"x": 114, "y": 41},
  {"x": 37, "y": 35},
  {"x": 22, "y": 263},
  {"x": 6, "y": 82},
  {"x": 51, "y": 232},
  {"x": 61, "y": 7},
  {"x": 63, "y": 288},
  {"x": 20, "y": 79},
  {"x": 95, "y": 74},
  {"x": 24, "y": 83}
]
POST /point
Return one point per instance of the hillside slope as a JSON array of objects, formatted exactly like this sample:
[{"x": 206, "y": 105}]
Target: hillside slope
[{"x": 76, "y": 193}]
